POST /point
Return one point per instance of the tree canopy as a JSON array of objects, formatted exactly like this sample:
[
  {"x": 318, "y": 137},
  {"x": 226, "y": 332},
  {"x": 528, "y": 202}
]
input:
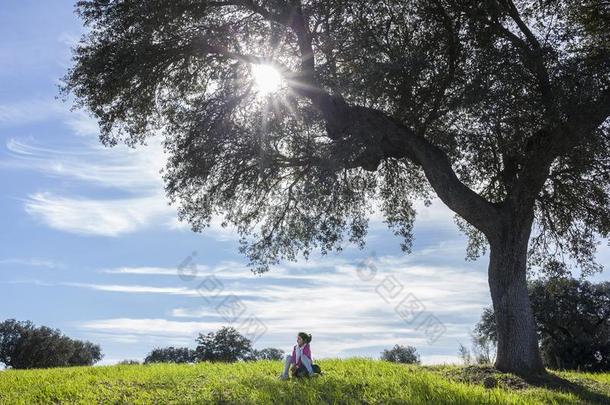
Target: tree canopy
[
  {"x": 491, "y": 84},
  {"x": 226, "y": 345}
]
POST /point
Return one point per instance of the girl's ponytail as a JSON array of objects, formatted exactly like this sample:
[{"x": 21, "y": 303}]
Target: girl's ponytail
[{"x": 305, "y": 336}]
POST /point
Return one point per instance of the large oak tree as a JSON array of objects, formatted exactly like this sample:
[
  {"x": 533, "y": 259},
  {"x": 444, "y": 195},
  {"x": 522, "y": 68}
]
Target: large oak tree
[{"x": 499, "y": 108}]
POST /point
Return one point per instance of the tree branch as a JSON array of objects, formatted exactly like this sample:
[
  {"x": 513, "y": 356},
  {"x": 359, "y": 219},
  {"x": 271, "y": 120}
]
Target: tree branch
[
  {"x": 514, "y": 14},
  {"x": 553, "y": 142},
  {"x": 452, "y": 56},
  {"x": 385, "y": 138},
  {"x": 532, "y": 57},
  {"x": 301, "y": 29}
]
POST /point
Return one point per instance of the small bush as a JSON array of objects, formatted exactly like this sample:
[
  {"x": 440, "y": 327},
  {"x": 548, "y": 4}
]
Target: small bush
[
  {"x": 171, "y": 355},
  {"x": 128, "y": 362},
  {"x": 401, "y": 354},
  {"x": 268, "y": 353}
]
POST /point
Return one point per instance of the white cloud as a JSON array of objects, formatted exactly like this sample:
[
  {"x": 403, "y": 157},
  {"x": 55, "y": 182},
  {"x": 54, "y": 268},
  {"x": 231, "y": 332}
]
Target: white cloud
[
  {"x": 96, "y": 217},
  {"x": 25, "y": 112},
  {"x": 232, "y": 270},
  {"x": 155, "y": 327},
  {"x": 45, "y": 109},
  {"x": 121, "y": 167},
  {"x": 347, "y": 315},
  {"x": 135, "y": 172},
  {"x": 198, "y": 292},
  {"x": 157, "y": 271},
  {"x": 136, "y": 289},
  {"x": 82, "y": 124},
  {"x": 130, "y": 330},
  {"x": 33, "y": 262}
]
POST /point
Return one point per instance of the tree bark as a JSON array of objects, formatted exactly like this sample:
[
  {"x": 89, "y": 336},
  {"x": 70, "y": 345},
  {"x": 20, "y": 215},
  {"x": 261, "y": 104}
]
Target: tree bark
[{"x": 517, "y": 350}]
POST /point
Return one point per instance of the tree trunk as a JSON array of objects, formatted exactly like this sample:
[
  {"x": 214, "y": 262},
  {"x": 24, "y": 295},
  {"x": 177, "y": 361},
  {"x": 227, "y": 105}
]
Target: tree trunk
[{"x": 518, "y": 350}]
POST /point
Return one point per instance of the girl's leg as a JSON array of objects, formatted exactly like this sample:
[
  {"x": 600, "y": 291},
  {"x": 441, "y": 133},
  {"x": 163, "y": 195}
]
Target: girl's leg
[
  {"x": 307, "y": 363},
  {"x": 287, "y": 362}
]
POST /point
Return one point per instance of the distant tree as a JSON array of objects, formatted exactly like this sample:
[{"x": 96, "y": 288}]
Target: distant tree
[
  {"x": 483, "y": 343},
  {"x": 11, "y": 333},
  {"x": 573, "y": 318},
  {"x": 85, "y": 353},
  {"x": 464, "y": 354},
  {"x": 268, "y": 353},
  {"x": 22, "y": 346},
  {"x": 487, "y": 325},
  {"x": 573, "y": 323},
  {"x": 227, "y": 345},
  {"x": 401, "y": 354},
  {"x": 171, "y": 355},
  {"x": 484, "y": 351},
  {"x": 43, "y": 347},
  {"x": 484, "y": 340},
  {"x": 128, "y": 362}
]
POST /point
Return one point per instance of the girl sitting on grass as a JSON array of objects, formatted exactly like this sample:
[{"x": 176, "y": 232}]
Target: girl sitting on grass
[{"x": 300, "y": 359}]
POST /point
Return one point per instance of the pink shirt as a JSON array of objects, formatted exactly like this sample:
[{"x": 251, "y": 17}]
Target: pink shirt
[{"x": 306, "y": 352}]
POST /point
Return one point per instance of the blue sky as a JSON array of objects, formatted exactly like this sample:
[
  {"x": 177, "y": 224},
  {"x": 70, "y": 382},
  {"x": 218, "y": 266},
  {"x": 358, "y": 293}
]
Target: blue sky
[{"x": 89, "y": 244}]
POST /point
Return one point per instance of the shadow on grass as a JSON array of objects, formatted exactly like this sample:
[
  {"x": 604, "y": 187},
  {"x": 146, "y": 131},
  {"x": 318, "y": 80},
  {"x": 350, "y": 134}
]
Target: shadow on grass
[
  {"x": 580, "y": 389},
  {"x": 586, "y": 390}
]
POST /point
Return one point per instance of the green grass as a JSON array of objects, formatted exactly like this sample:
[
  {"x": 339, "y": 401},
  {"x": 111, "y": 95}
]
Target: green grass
[{"x": 352, "y": 381}]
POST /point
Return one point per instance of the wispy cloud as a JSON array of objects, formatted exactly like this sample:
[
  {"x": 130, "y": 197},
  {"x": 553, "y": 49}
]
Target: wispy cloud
[
  {"x": 135, "y": 289},
  {"x": 96, "y": 217},
  {"x": 85, "y": 163},
  {"x": 362, "y": 340},
  {"x": 19, "y": 113},
  {"x": 347, "y": 315},
  {"x": 28, "y": 111},
  {"x": 133, "y": 172},
  {"x": 31, "y": 261},
  {"x": 156, "y": 327},
  {"x": 234, "y": 270},
  {"x": 82, "y": 124},
  {"x": 155, "y": 271},
  {"x": 121, "y": 167}
]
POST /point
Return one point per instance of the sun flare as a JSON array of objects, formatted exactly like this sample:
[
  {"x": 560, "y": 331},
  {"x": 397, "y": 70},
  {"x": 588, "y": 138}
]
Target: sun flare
[{"x": 267, "y": 79}]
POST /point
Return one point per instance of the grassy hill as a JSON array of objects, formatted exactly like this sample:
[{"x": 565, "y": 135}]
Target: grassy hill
[{"x": 352, "y": 381}]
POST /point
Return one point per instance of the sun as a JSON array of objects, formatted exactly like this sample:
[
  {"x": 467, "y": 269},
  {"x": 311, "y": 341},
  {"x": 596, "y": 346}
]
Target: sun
[{"x": 267, "y": 79}]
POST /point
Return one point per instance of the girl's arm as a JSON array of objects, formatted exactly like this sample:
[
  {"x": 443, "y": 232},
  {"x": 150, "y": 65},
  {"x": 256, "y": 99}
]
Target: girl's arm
[{"x": 307, "y": 351}]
